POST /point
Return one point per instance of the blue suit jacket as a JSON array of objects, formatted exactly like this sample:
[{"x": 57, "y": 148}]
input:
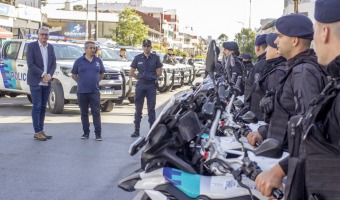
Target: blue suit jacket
[{"x": 36, "y": 65}]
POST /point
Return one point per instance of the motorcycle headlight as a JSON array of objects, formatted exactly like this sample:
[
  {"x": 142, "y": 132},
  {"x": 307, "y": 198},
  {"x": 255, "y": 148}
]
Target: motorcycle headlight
[{"x": 66, "y": 71}]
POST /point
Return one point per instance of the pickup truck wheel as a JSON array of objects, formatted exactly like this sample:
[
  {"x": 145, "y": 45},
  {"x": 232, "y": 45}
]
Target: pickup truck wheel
[
  {"x": 29, "y": 97},
  {"x": 13, "y": 95},
  {"x": 107, "y": 106},
  {"x": 131, "y": 99},
  {"x": 56, "y": 98}
]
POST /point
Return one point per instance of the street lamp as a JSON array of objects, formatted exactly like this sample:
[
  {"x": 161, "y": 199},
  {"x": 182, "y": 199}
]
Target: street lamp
[{"x": 249, "y": 14}]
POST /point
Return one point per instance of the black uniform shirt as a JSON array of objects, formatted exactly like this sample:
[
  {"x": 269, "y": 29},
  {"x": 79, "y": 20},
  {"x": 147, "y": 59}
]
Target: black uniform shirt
[{"x": 146, "y": 66}]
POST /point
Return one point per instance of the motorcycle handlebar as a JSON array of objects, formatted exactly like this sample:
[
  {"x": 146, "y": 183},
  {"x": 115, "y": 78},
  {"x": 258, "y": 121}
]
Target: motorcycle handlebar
[{"x": 221, "y": 90}]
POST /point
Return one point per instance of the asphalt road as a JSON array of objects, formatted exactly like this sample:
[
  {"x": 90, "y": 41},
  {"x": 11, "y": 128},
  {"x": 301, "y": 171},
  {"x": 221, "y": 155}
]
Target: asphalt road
[{"x": 66, "y": 167}]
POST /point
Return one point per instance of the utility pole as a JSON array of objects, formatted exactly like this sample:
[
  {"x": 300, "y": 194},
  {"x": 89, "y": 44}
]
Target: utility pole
[
  {"x": 296, "y": 6},
  {"x": 249, "y": 14},
  {"x": 87, "y": 21},
  {"x": 96, "y": 35},
  {"x": 160, "y": 28}
]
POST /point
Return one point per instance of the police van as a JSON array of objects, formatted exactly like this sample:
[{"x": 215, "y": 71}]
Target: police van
[{"x": 13, "y": 77}]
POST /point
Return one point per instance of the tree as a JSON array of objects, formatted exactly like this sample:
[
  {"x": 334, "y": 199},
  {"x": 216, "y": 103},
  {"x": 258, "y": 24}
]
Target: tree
[
  {"x": 130, "y": 29},
  {"x": 223, "y": 37},
  {"x": 245, "y": 40},
  {"x": 10, "y": 2},
  {"x": 157, "y": 47}
]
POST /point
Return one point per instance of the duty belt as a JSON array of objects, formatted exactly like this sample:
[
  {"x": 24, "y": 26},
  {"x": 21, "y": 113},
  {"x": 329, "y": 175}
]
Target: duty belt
[{"x": 147, "y": 81}]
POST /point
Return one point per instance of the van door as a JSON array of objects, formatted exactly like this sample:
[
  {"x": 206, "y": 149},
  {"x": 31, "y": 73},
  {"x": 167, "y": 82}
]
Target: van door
[
  {"x": 22, "y": 69},
  {"x": 8, "y": 65}
]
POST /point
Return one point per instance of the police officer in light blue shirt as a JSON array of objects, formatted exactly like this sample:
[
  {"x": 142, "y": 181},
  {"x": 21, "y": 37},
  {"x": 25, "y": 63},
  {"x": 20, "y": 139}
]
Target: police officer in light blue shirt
[{"x": 149, "y": 68}]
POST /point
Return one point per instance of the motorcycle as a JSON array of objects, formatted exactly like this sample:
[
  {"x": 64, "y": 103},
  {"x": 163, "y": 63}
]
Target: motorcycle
[{"x": 180, "y": 160}]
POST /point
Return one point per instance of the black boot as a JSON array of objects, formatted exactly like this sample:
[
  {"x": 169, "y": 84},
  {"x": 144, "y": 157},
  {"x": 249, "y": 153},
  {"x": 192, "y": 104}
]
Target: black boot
[{"x": 136, "y": 133}]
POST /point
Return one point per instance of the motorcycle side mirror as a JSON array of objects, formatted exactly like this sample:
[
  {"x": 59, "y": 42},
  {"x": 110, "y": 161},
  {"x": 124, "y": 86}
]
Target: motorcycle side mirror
[
  {"x": 210, "y": 61},
  {"x": 238, "y": 103},
  {"x": 270, "y": 148},
  {"x": 249, "y": 117},
  {"x": 208, "y": 110}
]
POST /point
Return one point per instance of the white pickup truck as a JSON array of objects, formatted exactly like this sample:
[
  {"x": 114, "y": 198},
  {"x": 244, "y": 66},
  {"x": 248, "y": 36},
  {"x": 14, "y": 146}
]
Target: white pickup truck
[{"x": 13, "y": 68}]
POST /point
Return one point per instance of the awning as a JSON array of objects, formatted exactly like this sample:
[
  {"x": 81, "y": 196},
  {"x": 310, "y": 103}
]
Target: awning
[{"x": 5, "y": 33}]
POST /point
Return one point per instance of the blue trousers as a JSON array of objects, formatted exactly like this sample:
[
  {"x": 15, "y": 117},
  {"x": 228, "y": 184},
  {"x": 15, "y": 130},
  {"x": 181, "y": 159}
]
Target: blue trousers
[
  {"x": 40, "y": 96},
  {"x": 149, "y": 91},
  {"x": 92, "y": 100}
]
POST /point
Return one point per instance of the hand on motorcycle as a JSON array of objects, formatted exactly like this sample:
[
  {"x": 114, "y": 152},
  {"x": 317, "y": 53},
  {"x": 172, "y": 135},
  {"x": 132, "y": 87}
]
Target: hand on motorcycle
[
  {"x": 268, "y": 180},
  {"x": 254, "y": 137}
]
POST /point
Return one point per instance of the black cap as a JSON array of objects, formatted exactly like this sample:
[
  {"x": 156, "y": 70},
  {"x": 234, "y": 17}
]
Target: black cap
[
  {"x": 270, "y": 39},
  {"x": 327, "y": 11},
  {"x": 260, "y": 39},
  {"x": 231, "y": 46},
  {"x": 246, "y": 56},
  {"x": 295, "y": 25},
  {"x": 147, "y": 42}
]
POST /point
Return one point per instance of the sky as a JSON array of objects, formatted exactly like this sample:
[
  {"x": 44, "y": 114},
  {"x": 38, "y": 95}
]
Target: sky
[{"x": 213, "y": 17}]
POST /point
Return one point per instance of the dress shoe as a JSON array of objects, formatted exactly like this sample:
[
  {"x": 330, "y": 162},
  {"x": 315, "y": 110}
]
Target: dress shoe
[
  {"x": 40, "y": 137},
  {"x": 46, "y": 136}
]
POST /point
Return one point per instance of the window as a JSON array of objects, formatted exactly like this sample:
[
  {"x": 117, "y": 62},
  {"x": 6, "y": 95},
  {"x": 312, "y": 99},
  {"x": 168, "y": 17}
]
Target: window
[
  {"x": 24, "y": 53},
  {"x": 11, "y": 50}
]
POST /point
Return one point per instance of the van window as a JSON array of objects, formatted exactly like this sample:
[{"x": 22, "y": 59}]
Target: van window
[
  {"x": 11, "y": 50},
  {"x": 24, "y": 53}
]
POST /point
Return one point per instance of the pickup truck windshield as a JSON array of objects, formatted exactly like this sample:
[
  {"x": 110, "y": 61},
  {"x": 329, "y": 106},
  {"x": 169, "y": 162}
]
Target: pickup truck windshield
[{"x": 67, "y": 52}]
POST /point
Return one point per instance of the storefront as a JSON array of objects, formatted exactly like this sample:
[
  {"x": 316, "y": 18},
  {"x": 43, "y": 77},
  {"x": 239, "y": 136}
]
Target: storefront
[
  {"x": 7, "y": 14},
  {"x": 27, "y": 22}
]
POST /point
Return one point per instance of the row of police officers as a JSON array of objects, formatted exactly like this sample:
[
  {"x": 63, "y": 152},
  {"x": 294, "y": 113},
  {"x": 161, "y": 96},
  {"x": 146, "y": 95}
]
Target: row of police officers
[{"x": 294, "y": 89}]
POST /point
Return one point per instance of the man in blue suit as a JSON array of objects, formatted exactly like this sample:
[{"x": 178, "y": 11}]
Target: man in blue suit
[{"x": 41, "y": 63}]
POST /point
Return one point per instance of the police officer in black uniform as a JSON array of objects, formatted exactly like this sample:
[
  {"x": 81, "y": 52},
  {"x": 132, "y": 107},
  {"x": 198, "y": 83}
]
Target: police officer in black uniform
[
  {"x": 169, "y": 57},
  {"x": 248, "y": 64},
  {"x": 149, "y": 69},
  {"x": 233, "y": 64},
  {"x": 259, "y": 67},
  {"x": 266, "y": 86},
  {"x": 304, "y": 80},
  {"x": 191, "y": 60}
]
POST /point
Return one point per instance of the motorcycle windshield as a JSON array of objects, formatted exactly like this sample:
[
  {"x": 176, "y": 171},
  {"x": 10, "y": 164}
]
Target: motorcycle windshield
[{"x": 175, "y": 99}]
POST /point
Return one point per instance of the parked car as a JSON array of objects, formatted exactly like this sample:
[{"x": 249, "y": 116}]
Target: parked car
[
  {"x": 111, "y": 57},
  {"x": 13, "y": 67},
  {"x": 199, "y": 64}
]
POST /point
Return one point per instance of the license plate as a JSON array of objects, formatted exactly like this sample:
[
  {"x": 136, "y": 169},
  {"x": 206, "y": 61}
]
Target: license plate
[{"x": 107, "y": 91}]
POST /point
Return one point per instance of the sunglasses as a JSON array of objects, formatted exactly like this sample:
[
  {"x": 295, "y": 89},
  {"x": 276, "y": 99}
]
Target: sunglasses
[
  {"x": 146, "y": 45},
  {"x": 44, "y": 34}
]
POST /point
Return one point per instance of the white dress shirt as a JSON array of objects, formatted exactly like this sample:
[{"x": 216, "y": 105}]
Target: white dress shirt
[{"x": 44, "y": 53}]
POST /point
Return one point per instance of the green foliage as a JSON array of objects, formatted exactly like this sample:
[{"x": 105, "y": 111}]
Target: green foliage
[
  {"x": 223, "y": 37},
  {"x": 10, "y": 2},
  {"x": 130, "y": 29},
  {"x": 245, "y": 40},
  {"x": 78, "y": 8},
  {"x": 157, "y": 47}
]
